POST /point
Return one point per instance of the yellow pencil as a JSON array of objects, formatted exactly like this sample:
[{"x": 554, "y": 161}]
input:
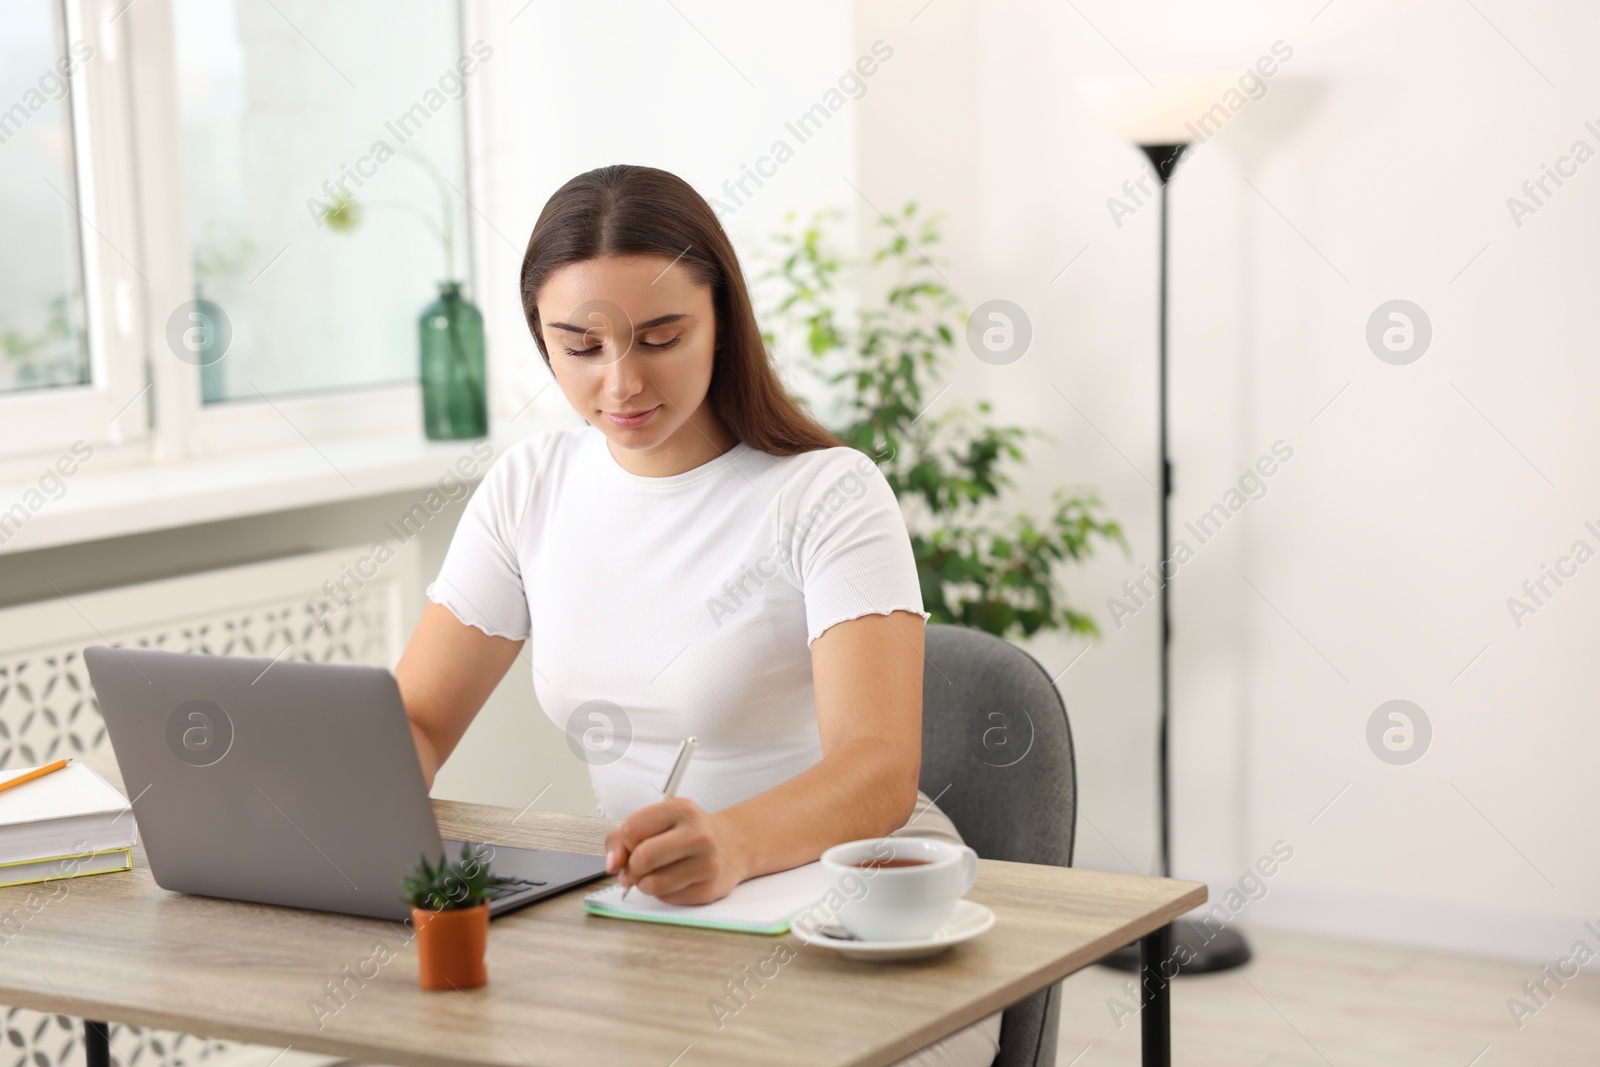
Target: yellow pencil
[{"x": 37, "y": 772}]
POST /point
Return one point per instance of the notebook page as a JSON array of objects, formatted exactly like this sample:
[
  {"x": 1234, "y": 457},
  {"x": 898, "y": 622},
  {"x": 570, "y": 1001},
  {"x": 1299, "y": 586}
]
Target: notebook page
[
  {"x": 763, "y": 901},
  {"x": 73, "y": 790}
]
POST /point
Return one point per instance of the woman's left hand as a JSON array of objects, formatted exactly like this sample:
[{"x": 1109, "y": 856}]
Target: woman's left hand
[{"x": 676, "y": 852}]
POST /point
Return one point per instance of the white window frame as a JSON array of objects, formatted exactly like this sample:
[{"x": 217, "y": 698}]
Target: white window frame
[
  {"x": 135, "y": 196},
  {"x": 111, "y": 409}
]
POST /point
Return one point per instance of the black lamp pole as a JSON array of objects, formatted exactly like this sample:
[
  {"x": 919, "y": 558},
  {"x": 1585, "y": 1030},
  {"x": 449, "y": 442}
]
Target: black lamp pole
[
  {"x": 1164, "y": 157},
  {"x": 1198, "y": 949}
]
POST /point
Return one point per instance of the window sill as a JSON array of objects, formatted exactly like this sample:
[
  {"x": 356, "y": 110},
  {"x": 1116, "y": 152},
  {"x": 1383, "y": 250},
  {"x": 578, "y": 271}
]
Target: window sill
[{"x": 140, "y": 499}]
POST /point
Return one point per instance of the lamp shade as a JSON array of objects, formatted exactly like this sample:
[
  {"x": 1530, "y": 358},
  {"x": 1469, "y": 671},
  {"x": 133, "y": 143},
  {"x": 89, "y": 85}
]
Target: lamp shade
[{"x": 1155, "y": 114}]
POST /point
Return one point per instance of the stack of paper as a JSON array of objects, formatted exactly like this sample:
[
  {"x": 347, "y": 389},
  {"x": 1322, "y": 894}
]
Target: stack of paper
[
  {"x": 762, "y": 905},
  {"x": 68, "y": 823}
]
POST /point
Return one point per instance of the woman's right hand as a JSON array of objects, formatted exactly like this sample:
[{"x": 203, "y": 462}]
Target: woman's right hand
[{"x": 677, "y": 852}]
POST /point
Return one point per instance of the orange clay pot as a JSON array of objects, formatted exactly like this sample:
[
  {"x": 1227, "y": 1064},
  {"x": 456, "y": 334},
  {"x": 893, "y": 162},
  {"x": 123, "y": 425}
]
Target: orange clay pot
[{"x": 451, "y": 946}]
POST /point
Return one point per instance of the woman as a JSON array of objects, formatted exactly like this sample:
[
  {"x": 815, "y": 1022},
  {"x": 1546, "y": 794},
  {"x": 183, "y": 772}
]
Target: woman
[{"x": 701, "y": 558}]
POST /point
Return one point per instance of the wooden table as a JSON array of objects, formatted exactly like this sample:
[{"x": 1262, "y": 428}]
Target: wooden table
[{"x": 564, "y": 987}]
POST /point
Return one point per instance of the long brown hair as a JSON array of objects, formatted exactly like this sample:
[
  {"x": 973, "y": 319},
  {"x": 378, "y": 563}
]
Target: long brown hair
[{"x": 631, "y": 210}]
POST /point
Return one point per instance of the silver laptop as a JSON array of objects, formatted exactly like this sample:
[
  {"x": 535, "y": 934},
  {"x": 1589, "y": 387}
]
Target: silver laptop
[{"x": 283, "y": 782}]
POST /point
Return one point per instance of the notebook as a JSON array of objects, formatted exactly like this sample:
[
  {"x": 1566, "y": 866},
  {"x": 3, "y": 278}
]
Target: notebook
[
  {"x": 76, "y": 866},
  {"x": 761, "y": 905},
  {"x": 70, "y": 813}
]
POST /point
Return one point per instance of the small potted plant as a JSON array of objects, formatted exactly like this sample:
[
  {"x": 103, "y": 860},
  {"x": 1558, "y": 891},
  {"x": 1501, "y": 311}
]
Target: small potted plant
[{"x": 450, "y": 914}]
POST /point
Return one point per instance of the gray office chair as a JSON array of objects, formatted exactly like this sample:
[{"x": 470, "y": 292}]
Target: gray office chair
[{"x": 997, "y": 759}]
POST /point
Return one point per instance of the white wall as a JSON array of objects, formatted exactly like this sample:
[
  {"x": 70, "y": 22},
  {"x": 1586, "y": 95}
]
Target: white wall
[{"x": 1378, "y": 564}]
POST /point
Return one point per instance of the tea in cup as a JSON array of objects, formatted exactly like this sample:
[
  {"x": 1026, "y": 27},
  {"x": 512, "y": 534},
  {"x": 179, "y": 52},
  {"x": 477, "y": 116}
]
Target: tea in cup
[{"x": 898, "y": 888}]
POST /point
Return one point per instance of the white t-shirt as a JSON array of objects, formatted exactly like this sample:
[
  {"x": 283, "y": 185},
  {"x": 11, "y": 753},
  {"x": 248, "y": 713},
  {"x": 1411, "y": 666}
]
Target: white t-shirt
[{"x": 658, "y": 608}]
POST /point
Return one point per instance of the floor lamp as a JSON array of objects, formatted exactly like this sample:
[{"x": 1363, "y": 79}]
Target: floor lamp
[{"x": 1153, "y": 124}]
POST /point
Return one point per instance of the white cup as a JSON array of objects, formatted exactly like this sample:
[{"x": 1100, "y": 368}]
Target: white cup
[{"x": 896, "y": 903}]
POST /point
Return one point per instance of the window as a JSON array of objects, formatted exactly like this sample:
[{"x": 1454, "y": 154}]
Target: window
[
  {"x": 41, "y": 277},
  {"x": 224, "y": 219},
  {"x": 285, "y": 109}
]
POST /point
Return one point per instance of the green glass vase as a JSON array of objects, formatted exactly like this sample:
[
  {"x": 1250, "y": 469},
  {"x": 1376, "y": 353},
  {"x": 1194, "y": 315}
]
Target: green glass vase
[{"x": 454, "y": 399}]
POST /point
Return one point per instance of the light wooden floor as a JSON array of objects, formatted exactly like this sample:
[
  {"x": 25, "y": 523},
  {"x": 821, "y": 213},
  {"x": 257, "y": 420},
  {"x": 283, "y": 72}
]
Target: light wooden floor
[{"x": 1308, "y": 1001}]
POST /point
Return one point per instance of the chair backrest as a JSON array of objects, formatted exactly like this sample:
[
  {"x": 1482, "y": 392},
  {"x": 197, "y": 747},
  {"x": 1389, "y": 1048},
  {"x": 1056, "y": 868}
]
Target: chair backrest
[{"x": 997, "y": 759}]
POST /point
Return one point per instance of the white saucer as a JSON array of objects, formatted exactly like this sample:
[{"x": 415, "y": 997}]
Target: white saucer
[{"x": 968, "y": 921}]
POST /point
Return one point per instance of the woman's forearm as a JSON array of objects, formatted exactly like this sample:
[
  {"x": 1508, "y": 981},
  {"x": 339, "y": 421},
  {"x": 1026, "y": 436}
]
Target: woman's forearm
[{"x": 864, "y": 789}]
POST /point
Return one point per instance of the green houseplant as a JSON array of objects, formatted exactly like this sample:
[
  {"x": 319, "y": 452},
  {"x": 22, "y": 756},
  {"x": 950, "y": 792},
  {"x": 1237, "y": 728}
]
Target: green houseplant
[
  {"x": 450, "y": 914},
  {"x": 979, "y": 566}
]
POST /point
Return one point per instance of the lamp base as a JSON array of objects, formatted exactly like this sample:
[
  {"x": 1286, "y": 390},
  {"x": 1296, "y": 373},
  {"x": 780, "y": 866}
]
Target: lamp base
[{"x": 1206, "y": 951}]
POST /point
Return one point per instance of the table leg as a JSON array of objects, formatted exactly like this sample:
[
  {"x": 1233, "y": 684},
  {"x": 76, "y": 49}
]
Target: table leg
[
  {"x": 96, "y": 1043},
  {"x": 1155, "y": 1008}
]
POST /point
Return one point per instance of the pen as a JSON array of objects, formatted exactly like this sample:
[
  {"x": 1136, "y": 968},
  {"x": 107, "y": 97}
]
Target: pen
[
  {"x": 37, "y": 772},
  {"x": 679, "y": 765}
]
